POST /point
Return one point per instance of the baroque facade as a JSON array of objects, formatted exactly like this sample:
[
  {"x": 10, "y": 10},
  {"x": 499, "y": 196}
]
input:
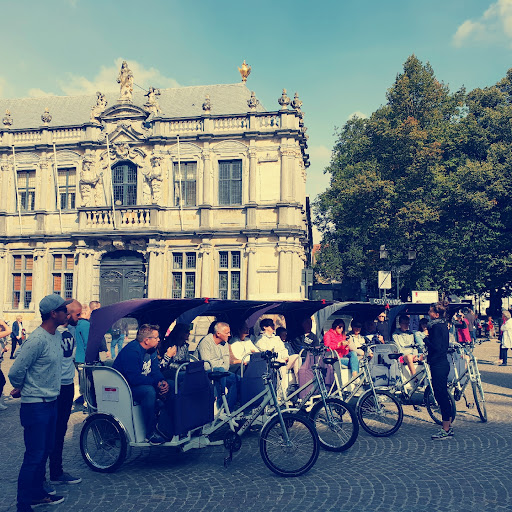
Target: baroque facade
[{"x": 182, "y": 192}]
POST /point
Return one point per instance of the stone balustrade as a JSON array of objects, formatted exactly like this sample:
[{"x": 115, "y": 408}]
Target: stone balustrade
[{"x": 126, "y": 218}]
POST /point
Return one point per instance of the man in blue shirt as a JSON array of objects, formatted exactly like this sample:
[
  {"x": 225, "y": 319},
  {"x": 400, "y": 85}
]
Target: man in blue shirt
[{"x": 139, "y": 365}]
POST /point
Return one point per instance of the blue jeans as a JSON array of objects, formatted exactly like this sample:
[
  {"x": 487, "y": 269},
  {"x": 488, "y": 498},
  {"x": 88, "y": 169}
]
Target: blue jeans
[
  {"x": 351, "y": 361},
  {"x": 231, "y": 382},
  {"x": 38, "y": 422},
  {"x": 146, "y": 396},
  {"x": 116, "y": 342}
]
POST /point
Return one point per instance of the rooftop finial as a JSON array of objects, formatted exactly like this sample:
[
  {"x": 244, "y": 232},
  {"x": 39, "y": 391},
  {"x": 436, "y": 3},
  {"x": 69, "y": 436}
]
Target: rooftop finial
[
  {"x": 46, "y": 116},
  {"x": 245, "y": 71},
  {"x": 7, "y": 120},
  {"x": 207, "y": 105},
  {"x": 284, "y": 101},
  {"x": 253, "y": 102}
]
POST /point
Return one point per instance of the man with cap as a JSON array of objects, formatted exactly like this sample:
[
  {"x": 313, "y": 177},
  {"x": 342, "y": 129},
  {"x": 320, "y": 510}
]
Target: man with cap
[{"x": 36, "y": 376}]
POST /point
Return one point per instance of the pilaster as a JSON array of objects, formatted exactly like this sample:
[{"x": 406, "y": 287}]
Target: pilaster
[
  {"x": 156, "y": 268},
  {"x": 206, "y": 253}
]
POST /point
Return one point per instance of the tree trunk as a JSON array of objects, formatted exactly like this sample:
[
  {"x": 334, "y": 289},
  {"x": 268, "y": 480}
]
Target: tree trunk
[{"x": 495, "y": 304}]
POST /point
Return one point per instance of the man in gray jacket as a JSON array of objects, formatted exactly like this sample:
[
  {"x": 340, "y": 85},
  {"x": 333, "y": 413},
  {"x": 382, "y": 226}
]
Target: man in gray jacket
[{"x": 36, "y": 377}]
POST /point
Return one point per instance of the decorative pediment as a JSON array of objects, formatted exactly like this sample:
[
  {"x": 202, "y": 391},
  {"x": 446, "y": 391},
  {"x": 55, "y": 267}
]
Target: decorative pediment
[
  {"x": 229, "y": 146},
  {"x": 126, "y": 132},
  {"x": 66, "y": 155},
  {"x": 124, "y": 111},
  {"x": 185, "y": 148}
]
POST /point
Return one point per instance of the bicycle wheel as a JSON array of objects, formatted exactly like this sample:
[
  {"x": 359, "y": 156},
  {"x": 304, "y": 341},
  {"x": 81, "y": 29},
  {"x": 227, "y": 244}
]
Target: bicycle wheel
[
  {"x": 298, "y": 455},
  {"x": 103, "y": 443},
  {"x": 338, "y": 433},
  {"x": 434, "y": 410},
  {"x": 381, "y": 417},
  {"x": 478, "y": 393}
]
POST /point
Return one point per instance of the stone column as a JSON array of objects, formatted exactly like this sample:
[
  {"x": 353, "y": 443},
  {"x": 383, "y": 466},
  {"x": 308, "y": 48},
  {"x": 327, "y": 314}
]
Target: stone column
[
  {"x": 252, "y": 276},
  {"x": 83, "y": 281},
  {"x": 285, "y": 175},
  {"x": 41, "y": 276},
  {"x": 206, "y": 252},
  {"x": 6, "y": 278},
  {"x": 285, "y": 268},
  {"x": 207, "y": 178},
  {"x": 156, "y": 268},
  {"x": 252, "y": 175}
]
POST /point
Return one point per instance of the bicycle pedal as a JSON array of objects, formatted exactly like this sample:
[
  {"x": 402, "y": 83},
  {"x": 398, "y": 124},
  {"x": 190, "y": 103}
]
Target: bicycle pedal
[{"x": 471, "y": 406}]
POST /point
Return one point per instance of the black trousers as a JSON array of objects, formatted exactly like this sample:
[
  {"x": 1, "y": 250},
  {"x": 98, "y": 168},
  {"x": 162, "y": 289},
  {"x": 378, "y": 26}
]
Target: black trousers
[
  {"x": 439, "y": 372},
  {"x": 64, "y": 404},
  {"x": 503, "y": 354},
  {"x": 2, "y": 381},
  {"x": 14, "y": 342}
]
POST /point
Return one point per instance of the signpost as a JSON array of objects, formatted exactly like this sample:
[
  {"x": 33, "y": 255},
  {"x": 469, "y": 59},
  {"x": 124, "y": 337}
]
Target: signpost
[{"x": 384, "y": 280}]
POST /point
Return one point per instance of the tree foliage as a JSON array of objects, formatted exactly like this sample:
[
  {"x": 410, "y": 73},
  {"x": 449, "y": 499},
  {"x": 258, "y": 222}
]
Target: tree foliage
[{"x": 429, "y": 170}]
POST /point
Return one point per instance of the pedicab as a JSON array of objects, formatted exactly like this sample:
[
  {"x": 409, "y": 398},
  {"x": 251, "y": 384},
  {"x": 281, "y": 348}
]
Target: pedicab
[{"x": 288, "y": 441}]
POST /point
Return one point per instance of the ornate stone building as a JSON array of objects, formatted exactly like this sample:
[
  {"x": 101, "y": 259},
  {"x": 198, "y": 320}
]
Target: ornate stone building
[{"x": 183, "y": 192}]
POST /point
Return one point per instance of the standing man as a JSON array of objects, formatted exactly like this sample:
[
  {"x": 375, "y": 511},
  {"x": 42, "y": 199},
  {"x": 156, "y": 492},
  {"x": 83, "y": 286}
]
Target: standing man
[
  {"x": 36, "y": 377},
  {"x": 382, "y": 326},
  {"x": 17, "y": 335},
  {"x": 65, "y": 399},
  {"x": 4, "y": 334}
]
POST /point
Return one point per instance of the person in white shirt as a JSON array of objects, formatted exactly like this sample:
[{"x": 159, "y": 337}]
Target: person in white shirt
[
  {"x": 269, "y": 341},
  {"x": 242, "y": 344}
]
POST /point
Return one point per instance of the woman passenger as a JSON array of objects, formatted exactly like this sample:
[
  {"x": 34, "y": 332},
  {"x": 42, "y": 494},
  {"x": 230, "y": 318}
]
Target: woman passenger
[
  {"x": 174, "y": 351},
  {"x": 336, "y": 340}
]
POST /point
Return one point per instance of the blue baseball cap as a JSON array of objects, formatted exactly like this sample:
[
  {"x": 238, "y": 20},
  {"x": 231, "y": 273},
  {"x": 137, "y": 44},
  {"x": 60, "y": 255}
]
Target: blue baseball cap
[{"x": 52, "y": 302}]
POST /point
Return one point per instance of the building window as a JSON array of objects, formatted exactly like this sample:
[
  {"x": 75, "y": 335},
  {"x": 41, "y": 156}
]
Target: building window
[
  {"x": 184, "y": 275},
  {"x": 230, "y": 182},
  {"x": 185, "y": 184},
  {"x": 229, "y": 274},
  {"x": 22, "y": 281},
  {"x": 67, "y": 188},
  {"x": 124, "y": 179},
  {"x": 63, "y": 265},
  {"x": 27, "y": 190}
]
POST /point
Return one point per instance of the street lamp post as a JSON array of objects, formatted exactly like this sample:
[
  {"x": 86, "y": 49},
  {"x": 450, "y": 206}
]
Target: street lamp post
[{"x": 397, "y": 270}]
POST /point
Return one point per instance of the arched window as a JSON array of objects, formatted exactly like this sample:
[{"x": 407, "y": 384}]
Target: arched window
[{"x": 124, "y": 180}]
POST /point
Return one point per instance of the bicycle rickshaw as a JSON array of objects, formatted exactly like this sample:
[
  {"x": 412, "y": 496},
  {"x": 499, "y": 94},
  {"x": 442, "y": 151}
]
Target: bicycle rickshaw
[{"x": 288, "y": 441}]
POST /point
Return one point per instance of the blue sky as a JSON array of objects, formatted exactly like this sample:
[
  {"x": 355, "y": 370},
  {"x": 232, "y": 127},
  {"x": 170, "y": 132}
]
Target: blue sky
[{"x": 340, "y": 56}]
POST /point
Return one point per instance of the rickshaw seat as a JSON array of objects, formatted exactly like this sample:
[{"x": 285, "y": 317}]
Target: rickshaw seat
[
  {"x": 192, "y": 403},
  {"x": 251, "y": 383}
]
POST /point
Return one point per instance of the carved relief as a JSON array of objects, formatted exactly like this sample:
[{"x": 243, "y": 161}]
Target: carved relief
[
  {"x": 153, "y": 177},
  {"x": 89, "y": 179},
  {"x": 46, "y": 116},
  {"x": 7, "y": 120},
  {"x": 253, "y": 102}
]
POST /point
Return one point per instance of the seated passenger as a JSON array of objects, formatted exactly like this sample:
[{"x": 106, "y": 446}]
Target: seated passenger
[
  {"x": 336, "y": 340},
  {"x": 403, "y": 339},
  {"x": 241, "y": 345},
  {"x": 421, "y": 334},
  {"x": 138, "y": 363},
  {"x": 370, "y": 332},
  {"x": 356, "y": 341},
  {"x": 269, "y": 341},
  {"x": 174, "y": 351},
  {"x": 215, "y": 349},
  {"x": 308, "y": 339}
]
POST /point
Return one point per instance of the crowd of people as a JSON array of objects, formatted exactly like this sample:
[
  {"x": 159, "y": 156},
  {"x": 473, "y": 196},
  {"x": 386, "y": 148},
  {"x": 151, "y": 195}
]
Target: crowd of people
[{"x": 43, "y": 371}]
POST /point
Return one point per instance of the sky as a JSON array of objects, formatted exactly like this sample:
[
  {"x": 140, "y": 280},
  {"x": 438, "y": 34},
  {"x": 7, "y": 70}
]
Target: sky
[{"x": 340, "y": 56}]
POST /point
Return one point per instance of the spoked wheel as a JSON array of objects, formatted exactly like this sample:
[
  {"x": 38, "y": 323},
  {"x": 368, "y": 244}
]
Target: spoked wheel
[
  {"x": 335, "y": 423},
  {"x": 380, "y": 417},
  {"x": 103, "y": 443},
  {"x": 292, "y": 458},
  {"x": 433, "y": 408},
  {"x": 478, "y": 393}
]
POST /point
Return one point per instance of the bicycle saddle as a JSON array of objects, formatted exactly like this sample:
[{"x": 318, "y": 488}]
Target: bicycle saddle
[
  {"x": 394, "y": 356},
  {"x": 329, "y": 360},
  {"x": 217, "y": 374},
  {"x": 277, "y": 364}
]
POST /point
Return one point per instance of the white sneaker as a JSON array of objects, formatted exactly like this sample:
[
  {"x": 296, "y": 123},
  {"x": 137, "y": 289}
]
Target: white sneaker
[{"x": 2, "y": 405}]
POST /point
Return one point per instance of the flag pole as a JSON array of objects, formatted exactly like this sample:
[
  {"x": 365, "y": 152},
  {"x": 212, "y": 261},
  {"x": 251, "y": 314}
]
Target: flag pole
[
  {"x": 56, "y": 180},
  {"x": 16, "y": 187},
  {"x": 111, "y": 184},
  {"x": 181, "y": 190}
]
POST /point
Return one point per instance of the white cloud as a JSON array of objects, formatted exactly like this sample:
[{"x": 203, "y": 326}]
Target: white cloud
[
  {"x": 105, "y": 80},
  {"x": 37, "y": 93},
  {"x": 357, "y": 113},
  {"x": 494, "y": 25}
]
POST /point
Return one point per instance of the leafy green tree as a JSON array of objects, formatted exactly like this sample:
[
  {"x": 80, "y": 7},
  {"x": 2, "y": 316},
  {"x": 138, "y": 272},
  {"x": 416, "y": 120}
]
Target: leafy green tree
[{"x": 384, "y": 188}]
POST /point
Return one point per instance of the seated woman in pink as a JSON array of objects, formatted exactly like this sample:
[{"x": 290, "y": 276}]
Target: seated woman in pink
[{"x": 336, "y": 340}]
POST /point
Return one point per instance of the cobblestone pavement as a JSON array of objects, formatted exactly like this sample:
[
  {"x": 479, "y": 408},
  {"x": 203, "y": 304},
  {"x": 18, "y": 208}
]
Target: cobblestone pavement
[{"x": 404, "y": 473}]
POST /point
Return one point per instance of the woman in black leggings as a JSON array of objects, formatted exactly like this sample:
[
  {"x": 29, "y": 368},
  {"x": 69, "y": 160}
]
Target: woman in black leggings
[{"x": 437, "y": 343}]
